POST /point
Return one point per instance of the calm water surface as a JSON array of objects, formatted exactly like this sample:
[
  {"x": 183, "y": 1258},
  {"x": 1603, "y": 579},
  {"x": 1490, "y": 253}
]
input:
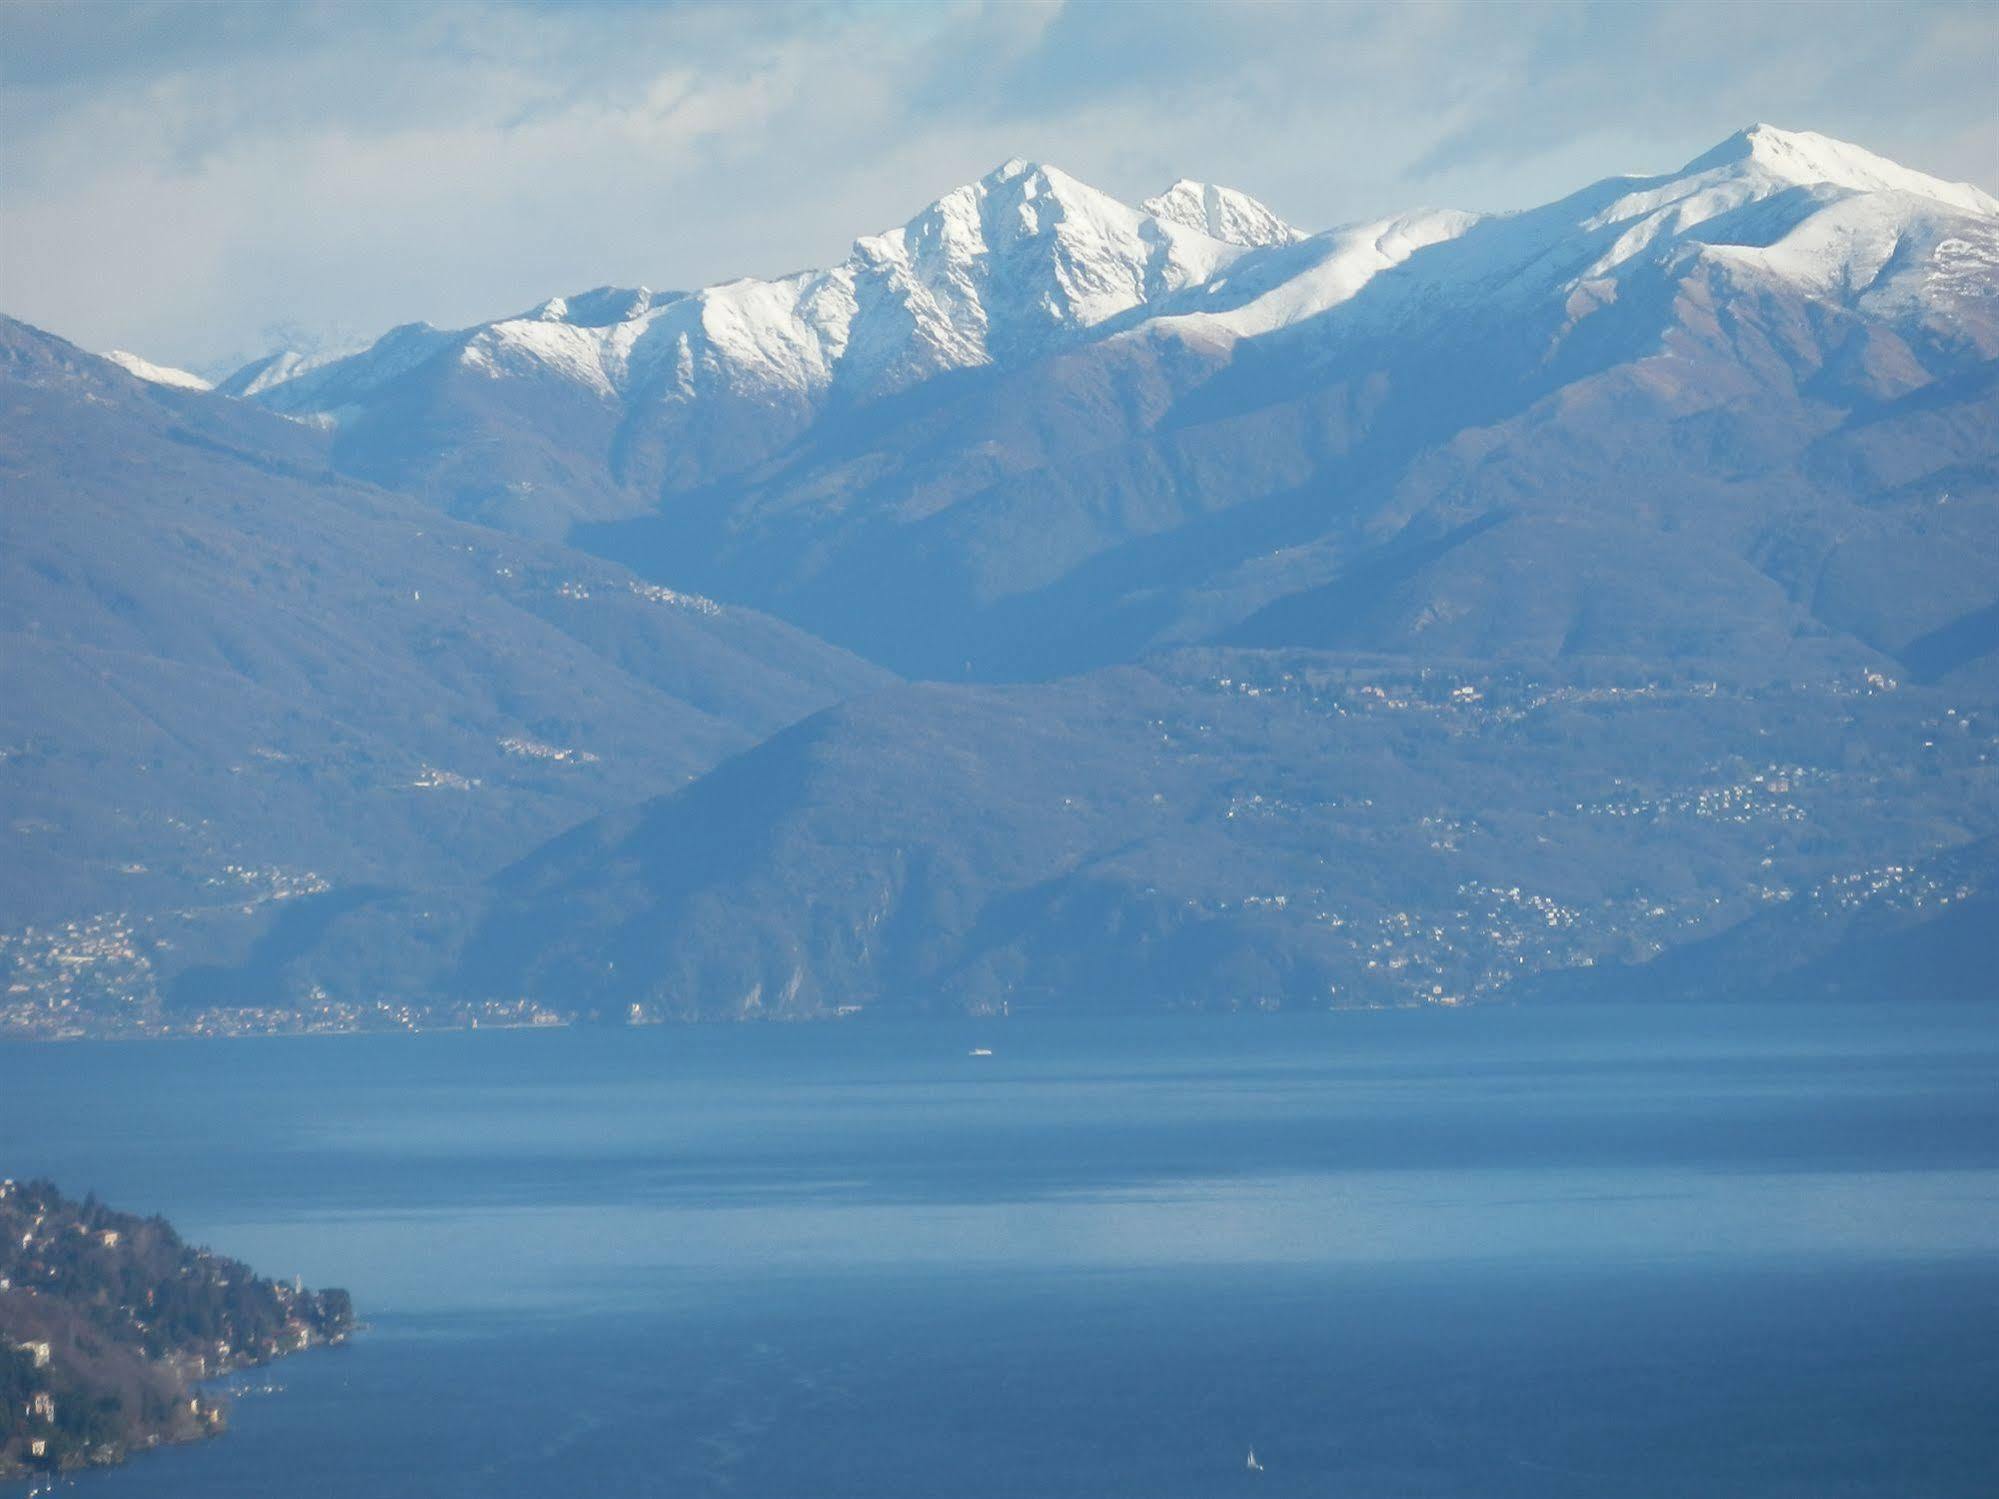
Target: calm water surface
[{"x": 1680, "y": 1252}]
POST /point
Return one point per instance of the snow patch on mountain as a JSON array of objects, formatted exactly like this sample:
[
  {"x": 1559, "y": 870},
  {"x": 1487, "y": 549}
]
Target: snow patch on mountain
[{"x": 157, "y": 374}]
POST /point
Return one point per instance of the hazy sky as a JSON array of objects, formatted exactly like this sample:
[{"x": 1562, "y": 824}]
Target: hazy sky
[{"x": 200, "y": 182}]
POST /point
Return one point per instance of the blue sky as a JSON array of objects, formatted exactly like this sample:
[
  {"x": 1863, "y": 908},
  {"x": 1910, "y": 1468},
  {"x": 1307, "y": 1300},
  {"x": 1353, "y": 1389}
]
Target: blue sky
[{"x": 200, "y": 182}]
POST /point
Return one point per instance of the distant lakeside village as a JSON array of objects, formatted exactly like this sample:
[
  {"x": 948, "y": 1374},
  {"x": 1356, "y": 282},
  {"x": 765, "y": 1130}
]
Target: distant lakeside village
[{"x": 124, "y": 975}]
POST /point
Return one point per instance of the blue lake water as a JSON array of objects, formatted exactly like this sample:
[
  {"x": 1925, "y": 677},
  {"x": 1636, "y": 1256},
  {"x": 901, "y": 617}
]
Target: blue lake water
[{"x": 1589, "y": 1253}]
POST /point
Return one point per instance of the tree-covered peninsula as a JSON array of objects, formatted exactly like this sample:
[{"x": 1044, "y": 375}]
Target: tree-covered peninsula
[{"x": 110, "y": 1321}]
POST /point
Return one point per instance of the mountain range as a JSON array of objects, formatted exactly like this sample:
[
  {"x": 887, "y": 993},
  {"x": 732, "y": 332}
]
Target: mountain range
[{"x": 1119, "y": 606}]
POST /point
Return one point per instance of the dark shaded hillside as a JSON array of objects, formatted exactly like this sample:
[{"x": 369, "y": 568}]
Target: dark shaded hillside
[
  {"x": 230, "y": 678},
  {"x": 1242, "y": 829}
]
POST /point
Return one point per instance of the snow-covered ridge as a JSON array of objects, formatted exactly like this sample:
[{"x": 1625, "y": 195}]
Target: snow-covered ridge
[
  {"x": 156, "y": 374},
  {"x": 1028, "y": 259},
  {"x": 1221, "y": 213},
  {"x": 1309, "y": 277},
  {"x": 999, "y": 269},
  {"x": 1815, "y": 215},
  {"x": 1757, "y": 165},
  {"x": 323, "y": 386},
  {"x": 274, "y": 369},
  {"x": 1805, "y": 157}
]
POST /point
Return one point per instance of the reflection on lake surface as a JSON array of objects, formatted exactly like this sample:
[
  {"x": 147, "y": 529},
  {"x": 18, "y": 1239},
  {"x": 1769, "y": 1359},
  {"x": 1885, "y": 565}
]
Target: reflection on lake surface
[{"x": 1490, "y": 1253}]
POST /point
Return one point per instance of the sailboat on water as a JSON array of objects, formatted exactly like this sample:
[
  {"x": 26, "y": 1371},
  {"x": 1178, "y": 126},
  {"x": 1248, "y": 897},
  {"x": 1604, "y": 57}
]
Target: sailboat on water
[{"x": 1252, "y": 1464}]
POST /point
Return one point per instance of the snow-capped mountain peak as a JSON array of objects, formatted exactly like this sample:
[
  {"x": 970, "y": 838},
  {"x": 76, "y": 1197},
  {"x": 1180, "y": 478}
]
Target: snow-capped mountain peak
[
  {"x": 1817, "y": 213},
  {"x": 1221, "y": 213},
  {"x": 1758, "y": 164},
  {"x": 1805, "y": 158},
  {"x": 1029, "y": 252}
]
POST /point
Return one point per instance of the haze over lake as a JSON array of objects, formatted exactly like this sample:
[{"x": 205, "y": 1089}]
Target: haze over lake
[{"x": 1672, "y": 1251}]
